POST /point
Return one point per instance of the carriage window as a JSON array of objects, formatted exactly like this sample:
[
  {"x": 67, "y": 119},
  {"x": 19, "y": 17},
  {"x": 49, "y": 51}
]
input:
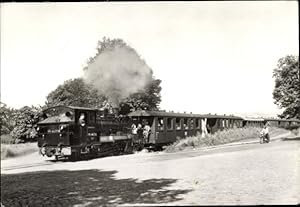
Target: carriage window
[
  {"x": 170, "y": 123},
  {"x": 197, "y": 123},
  {"x": 160, "y": 124},
  {"x": 234, "y": 124},
  {"x": 191, "y": 123},
  {"x": 185, "y": 123},
  {"x": 178, "y": 126}
]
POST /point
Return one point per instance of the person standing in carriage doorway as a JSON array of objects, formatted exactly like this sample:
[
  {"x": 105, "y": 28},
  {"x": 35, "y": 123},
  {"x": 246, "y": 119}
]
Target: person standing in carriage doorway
[
  {"x": 133, "y": 129},
  {"x": 140, "y": 132},
  {"x": 146, "y": 132}
]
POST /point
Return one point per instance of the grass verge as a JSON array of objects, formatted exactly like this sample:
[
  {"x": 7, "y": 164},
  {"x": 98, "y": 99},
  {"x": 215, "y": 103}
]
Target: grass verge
[
  {"x": 6, "y": 139},
  {"x": 221, "y": 137},
  {"x": 15, "y": 150}
]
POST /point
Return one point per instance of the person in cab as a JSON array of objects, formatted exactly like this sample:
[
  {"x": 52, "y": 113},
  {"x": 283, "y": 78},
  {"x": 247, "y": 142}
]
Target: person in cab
[{"x": 82, "y": 119}]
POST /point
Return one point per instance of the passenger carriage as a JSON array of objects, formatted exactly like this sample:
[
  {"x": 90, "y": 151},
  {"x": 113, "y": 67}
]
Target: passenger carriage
[
  {"x": 285, "y": 123},
  {"x": 167, "y": 127}
]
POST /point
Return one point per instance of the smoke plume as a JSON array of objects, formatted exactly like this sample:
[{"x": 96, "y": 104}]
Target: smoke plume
[{"x": 117, "y": 73}]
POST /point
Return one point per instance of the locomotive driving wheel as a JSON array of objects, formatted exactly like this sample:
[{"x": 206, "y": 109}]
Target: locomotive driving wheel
[
  {"x": 75, "y": 156},
  {"x": 138, "y": 146},
  {"x": 128, "y": 147}
]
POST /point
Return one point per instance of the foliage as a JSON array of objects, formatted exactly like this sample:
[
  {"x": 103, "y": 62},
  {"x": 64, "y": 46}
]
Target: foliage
[
  {"x": 287, "y": 86},
  {"x": 105, "y": 45},
  {"x": 26, "y": 123},
  {"x": 75, "y": 92},
  {"x": 146, "y": 100},
  {"x": 7, "y": 118}
]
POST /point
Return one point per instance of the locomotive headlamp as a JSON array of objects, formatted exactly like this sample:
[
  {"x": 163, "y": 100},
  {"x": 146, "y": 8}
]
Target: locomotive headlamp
[{"x": 38, "y": 129}]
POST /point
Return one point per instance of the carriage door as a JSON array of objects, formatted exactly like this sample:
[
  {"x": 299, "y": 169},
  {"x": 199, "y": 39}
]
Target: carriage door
[{"x": 82, "y": 124}]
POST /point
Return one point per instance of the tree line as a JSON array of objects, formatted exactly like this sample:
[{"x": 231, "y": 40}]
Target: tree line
[{"x": 21, "y": 123}]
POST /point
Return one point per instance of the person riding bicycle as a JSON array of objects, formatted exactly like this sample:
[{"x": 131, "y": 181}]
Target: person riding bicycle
[{"x": 265, "y": 132}]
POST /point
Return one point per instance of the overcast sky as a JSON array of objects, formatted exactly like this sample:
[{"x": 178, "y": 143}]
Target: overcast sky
[{"x": 212, "y": 57}]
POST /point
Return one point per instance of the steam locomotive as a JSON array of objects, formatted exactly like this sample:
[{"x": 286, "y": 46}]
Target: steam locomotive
[{"x": 76, "y": 132}]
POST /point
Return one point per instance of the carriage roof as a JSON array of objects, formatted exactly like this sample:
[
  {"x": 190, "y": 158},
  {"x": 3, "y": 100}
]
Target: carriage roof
[
  {"x": 288, "y": 120},
  {"x": 145, "y": 113},
  {"x": 73, "y": 108},
  {"x": 253, "y": 119}
]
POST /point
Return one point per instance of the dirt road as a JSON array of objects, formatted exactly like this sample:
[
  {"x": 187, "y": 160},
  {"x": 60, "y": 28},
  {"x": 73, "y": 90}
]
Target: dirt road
[{"x": 237, "y": 175}]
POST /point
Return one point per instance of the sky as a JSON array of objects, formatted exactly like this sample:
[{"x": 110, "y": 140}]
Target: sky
[{"x": 212, "y": 57}]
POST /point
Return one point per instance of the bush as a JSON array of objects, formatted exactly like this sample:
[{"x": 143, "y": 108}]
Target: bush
[
  {"x": 296, "y": 132},
  {"x": 293, "y": 127},
  {"x": 27, "y": 119}
]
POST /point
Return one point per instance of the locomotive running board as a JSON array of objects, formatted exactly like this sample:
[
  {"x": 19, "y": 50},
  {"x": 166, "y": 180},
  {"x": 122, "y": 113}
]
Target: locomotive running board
[{"x": 113, "y": 138}]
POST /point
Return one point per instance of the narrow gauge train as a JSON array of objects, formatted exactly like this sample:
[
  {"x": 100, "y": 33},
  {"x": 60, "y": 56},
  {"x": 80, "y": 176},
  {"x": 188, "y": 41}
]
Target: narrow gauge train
[{"x": 73, "y": 132}]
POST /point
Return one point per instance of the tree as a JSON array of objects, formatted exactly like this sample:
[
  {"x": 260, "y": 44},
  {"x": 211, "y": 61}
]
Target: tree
[
  {"x": 287, "y": 86},
  {"x": 146, "y": 100},
  {"x": 26, "y": 123},
  {"x": 75, "y": 92},
  {"x": 7, "y": 118}
]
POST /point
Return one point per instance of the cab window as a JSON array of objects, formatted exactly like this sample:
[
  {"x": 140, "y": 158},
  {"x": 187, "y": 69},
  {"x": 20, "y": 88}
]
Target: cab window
[{"x": 82, "y": 119}]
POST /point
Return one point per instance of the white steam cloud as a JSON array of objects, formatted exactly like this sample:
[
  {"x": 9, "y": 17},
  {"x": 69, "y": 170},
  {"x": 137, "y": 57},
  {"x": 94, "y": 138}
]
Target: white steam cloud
[{"x": 118, "y": 73}]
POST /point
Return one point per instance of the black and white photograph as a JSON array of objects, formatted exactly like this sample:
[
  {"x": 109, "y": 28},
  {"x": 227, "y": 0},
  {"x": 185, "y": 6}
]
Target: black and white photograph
[{"x": 167, "y": 103}]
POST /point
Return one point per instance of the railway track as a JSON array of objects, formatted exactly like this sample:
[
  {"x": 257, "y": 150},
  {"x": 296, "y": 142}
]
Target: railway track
[
  {"x": 15, "y": 167},
  {"x": 191, "y": 152}
]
